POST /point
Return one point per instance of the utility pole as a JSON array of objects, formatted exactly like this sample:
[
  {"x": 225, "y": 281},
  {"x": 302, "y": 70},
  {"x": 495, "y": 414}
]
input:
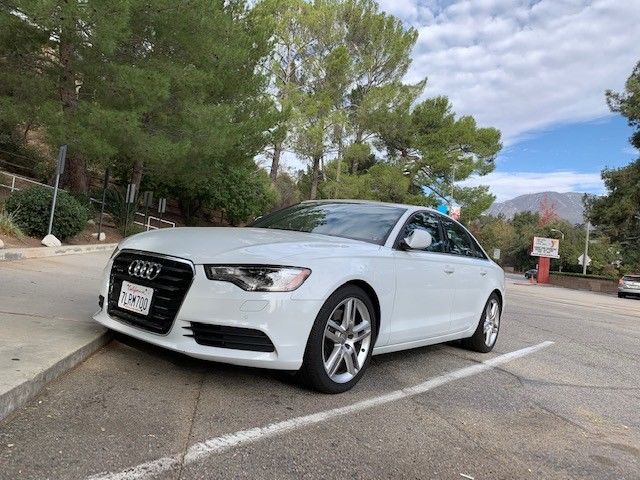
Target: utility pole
[
  {"x": 586, "y": 250},
  {"x": 453, "y": 181}
]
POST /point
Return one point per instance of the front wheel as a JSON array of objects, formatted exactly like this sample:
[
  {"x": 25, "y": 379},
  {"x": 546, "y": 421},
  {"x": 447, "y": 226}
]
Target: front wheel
[
  {"x": 341, "y": 340},
  {"x": 485, "y": 336}
]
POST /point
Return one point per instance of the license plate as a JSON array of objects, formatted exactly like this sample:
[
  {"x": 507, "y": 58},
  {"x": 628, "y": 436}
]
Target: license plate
[{"x": 135, "y": 298}]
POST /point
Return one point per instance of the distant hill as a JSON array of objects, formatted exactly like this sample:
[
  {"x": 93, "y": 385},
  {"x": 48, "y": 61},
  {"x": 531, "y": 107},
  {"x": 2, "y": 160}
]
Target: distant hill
[{"x": 567, "y": 205}]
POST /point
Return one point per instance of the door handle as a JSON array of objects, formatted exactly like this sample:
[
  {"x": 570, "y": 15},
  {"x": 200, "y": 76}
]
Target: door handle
[
  {"x": 448, "y": 269},
  {"x": 483, "y": 272}
]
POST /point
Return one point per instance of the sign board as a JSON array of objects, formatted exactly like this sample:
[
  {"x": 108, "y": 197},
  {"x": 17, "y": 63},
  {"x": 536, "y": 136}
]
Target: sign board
[
  {"x": 131, "y": 193},
  {"x": 162, "y": 205},
  {"x": 581, "y": 260},
  {"x": 496, "y": 253},
  {"x": 443, "y": 208},
  {"x": 545, "y": 247},
  {"x": 147, "y": 198},
  {"x": 62, "y": 159}
]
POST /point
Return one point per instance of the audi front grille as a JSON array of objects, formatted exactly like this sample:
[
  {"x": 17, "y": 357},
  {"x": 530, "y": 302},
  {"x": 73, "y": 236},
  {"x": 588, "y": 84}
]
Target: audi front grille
[{"x": 169, "y": 277}]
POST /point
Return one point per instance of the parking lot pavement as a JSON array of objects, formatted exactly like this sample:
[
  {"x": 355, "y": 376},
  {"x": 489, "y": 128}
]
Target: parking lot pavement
[{"x": 568, "y": 410}]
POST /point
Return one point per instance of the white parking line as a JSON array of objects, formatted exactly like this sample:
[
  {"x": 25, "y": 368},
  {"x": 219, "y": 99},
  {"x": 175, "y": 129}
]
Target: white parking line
[{"x": 202, "y": 450}]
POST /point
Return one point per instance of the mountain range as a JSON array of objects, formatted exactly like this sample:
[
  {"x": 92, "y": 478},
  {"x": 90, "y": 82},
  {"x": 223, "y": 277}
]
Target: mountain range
[{"x": 567, "y": 205}]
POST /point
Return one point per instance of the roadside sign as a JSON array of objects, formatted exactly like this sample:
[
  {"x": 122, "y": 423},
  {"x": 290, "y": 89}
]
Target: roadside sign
[
  {"x": 443, "y": 208},
  {"x": 496, "y": 253},
  {"x": 147, "y": 198},
  {"x": 131, "y": 193},
  {"x": 162, "y": 205},
  {"x": 581, "y": 260},
  {"x": 545, "y": 247}
]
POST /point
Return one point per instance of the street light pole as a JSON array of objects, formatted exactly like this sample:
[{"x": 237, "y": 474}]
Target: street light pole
[{"x": 586, "y": 250}]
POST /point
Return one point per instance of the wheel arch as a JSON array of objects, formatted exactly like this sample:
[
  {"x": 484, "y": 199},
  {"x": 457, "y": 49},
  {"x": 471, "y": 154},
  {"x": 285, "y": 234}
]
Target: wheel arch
[
  {"x": 370, "y": 291},
  {"x": 500, "y": 297}
]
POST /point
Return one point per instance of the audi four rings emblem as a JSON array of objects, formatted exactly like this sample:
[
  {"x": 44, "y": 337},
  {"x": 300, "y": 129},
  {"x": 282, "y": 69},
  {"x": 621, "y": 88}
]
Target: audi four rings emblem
[{"x": 143, "y": 269}]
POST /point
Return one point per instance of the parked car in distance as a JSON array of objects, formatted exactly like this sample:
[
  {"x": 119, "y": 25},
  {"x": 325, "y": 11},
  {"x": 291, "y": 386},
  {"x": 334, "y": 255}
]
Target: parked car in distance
[
  {"x": 533, "y": 273},
  {"x": 629, "y": 285},
  {"x": 316, "y": 288}
]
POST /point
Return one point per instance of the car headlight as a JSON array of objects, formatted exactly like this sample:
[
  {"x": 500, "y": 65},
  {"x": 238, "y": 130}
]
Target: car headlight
[{"x": 259, "y": 278}]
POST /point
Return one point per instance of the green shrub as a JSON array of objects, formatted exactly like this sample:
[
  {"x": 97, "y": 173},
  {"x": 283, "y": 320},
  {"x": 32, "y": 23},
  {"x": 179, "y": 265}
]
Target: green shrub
[
  {"x": 8, "y": 225},
  {"x": 31, "y": 208}
]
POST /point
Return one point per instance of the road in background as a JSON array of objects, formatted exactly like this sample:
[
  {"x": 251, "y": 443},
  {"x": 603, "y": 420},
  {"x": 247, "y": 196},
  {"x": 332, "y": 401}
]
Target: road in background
[{"x": 567, "y": 411}]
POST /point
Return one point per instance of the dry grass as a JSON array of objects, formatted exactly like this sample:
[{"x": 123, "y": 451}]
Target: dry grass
[{"x": 8, "y": 225}]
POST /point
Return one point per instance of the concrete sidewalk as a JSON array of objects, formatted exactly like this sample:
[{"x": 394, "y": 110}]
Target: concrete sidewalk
[{"x": 45, "y": 319}]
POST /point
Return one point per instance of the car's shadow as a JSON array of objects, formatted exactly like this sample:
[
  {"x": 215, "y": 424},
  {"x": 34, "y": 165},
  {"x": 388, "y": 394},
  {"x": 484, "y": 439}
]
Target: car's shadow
[
  {"x": 198, "y": 366},
  {"x": 289, "y": 378}
]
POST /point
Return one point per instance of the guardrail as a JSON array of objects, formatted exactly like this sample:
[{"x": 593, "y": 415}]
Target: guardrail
[
  {"x": 13, "y": 179},
  {"x": 148, "y": 225}
]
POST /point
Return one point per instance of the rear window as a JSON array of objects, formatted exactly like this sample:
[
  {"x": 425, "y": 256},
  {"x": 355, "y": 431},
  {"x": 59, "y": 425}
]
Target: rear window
[{"x": 631, "y": 278}]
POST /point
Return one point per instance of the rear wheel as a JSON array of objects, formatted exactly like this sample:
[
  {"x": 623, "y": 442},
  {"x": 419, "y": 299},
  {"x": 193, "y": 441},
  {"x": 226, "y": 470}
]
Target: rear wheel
[
  {"x": 341, "y": 340},
  {"x": 484, "y": 338},
  {"x": 621, "y": 295}
]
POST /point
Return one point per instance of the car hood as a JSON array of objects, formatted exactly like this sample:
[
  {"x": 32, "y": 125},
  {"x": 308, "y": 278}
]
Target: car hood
[{"x": 242, "y": 245}]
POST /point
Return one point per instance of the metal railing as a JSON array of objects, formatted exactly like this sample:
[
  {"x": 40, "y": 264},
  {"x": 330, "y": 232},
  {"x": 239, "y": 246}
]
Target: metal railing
[
  {"x": 149, "y": 218},
  {"x": 13, "y": 179}
]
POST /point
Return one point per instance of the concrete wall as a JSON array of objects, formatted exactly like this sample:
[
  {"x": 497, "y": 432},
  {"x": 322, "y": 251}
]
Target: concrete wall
[{"x": 580, "y": 283}]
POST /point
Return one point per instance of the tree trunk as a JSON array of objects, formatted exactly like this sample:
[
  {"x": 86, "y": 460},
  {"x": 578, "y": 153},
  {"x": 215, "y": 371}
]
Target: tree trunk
[
  {"x": 136, "y": 175},
  {"x": 315, "y": 170},
  {"x": 275, "y": 162},
  {"x": 76, "y": 168},
  {"x": 357, "y": 141}
]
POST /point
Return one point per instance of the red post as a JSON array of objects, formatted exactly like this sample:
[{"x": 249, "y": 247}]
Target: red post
[{"x": 544, "y": 263}]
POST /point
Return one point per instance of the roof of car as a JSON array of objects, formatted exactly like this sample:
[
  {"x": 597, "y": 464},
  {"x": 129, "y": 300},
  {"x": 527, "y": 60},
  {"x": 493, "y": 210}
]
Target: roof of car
[{"x": 372, "y": 202}]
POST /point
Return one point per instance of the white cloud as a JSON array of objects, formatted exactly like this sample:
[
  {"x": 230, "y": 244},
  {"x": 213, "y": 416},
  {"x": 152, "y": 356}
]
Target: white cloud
[
  {"x": 506, "y": 185},
  {"x": 520, "y": 65}
]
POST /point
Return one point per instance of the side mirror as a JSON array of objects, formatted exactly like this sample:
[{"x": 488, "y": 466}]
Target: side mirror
[{"x": 418, "y": 240}]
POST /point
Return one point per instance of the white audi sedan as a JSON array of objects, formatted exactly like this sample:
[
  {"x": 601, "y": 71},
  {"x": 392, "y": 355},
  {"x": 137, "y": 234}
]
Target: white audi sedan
[{"x": 315, "y": 288}]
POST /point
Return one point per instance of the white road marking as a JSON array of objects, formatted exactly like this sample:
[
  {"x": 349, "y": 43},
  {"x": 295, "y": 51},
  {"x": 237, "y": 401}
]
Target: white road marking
[{"x": 202, "y": 450}]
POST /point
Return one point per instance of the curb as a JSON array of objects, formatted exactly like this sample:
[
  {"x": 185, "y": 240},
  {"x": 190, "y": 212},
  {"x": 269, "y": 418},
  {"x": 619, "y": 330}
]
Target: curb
[
  {"x": 20, "y": 395},
  {"x": 10, "y": 254}
]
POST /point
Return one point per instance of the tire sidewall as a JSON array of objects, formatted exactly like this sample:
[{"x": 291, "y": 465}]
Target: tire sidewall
[
  {"x": 313, "y": 370},
  {"x": 477, "y": 342}
]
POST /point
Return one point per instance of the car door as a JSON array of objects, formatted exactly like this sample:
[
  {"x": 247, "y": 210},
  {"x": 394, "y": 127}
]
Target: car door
[
  {"x": 470, "y": 275},
  {"x": 424, "y": 285}
]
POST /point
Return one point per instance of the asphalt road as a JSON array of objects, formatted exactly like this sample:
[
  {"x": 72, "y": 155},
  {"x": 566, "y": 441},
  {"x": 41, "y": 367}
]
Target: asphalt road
[{"x": 568, "y": 410}]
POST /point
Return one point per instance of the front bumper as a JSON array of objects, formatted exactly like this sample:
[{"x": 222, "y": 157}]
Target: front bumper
[
  {"x": 629, "y": 290},
  {"x": 287, "y": 322}
]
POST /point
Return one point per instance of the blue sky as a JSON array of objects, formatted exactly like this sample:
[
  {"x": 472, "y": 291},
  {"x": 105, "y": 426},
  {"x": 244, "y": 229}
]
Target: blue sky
[{"x": 537, "y": 70}]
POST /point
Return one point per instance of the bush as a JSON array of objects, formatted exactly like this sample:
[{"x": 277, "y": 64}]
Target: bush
[{"x": 31, "y": 208}]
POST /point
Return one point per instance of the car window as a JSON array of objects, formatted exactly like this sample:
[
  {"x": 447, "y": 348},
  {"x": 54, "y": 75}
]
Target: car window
[
  {"x": 457, "y": 239},
  {"x": 360, "y": 221},
  {"x": 631, "y": 278},
  {"x": 428, "y": 222}
]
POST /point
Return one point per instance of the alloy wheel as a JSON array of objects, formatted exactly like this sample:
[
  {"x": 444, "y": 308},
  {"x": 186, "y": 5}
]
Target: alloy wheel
[
  {"x": 347, "y": 340},
  {"x": 491, "y": 322}
]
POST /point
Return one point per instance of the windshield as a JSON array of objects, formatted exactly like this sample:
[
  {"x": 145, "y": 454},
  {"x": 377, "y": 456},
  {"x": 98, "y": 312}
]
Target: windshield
[{"x": 359, "y": 221}]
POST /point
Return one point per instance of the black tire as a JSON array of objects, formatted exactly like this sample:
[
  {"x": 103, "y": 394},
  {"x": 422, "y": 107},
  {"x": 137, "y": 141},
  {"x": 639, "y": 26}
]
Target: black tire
[
  {"x": 477, "y": 342},
  {"x": 621, "y": 295},
  {"x": 313, "y": 373}
]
